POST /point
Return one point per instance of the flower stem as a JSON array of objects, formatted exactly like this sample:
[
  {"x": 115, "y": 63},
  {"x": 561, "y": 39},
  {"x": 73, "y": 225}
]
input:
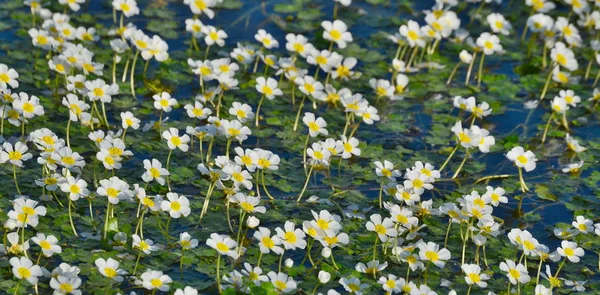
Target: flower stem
[
  {"x": 68, "y": 133},
  {"x": 264, "y": 185},
  {"x": 449, "y": 157},
  {"x": 168, "y": 162},
  {"x": 547, "y": 83},
  {"x": 71, "y": 217},
  {"x": 305, "y": 184},
  {"x": 298, "y": 114},
  {"x": 546, "y": 128},
  {"x": 132, "y": 74},
  {"x": 15, "y": 178},
  {"x": 480, "y": 73},
  {"x": 137, "y": 261},
  {"x": 461, "y": 164}
]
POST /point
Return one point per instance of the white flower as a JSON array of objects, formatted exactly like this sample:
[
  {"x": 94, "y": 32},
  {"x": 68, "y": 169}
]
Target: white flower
[
  {"x": 348, "y": 146},
  {"x": 266, "y": 39},
  {"x": 24, "y": 269},
  {"x": 324, "y": 277},
  {"x": 214, "y": 36},
  {"x": 110, "y": 269},
  {"x": 573, "y": 167},
  {"x": 154, "y": 171},
  {"x": 155, "y": 280},
  {"x": 8, "y": 77},
  {"x": 570, "y": 251},
  {"x": 194, "y": 26},
  {"x": 267, "y": 243},
  {"x": 432, "y": 252},
  {"x": 315, "y": 126},
  {"x": 564, "y": 56},
  {"x": 499, "y": 24},
  {"x": 299, "y": 44},
  {"x": 383, "y": 227},
  {"x": 521, "y": 158},
  {"x": 128, "y": 120},
  {"x": 516, "y": 273},
  {"x": 114, "y": 189},
  {"x": 248, "y": 203},
  {"x": 164, "y": 102},
  {"x": 234, "y": 129},
  {"x": 243, "y": 112},
  {"x": 473, "y": 275},
  {"x": 223, "y": 244},
  {"x": 268, "y": 87},
  {"x": 48, "y": 244},
  {"x": 391, "y": 284},
  {"x": 186, "y": 291},
  {"x": 559, "y": 105},
  {"x": 570, "y": 97},
  {"x": 147, "y": 246},
  {"x": 176, "y": 205},
  {"x": 386, "y": 169},
  {"x": 412, "y": 32},
  {"x": 353, "y": 285},
  {"x": 291, "y": 237},
  {"x": 465, "y": 56},
  {"x": 583, "y": 224},
  {"x": 175, "y": 141},
  {"x": 202, "y": 6},
  {"x": 336, "y": 32},
  {"x": 186, "y": 242},
  {"x": 99, "y": 90},
  {"x": 282, "y": 282},
  {"x": 65, "y": 285},
  {"x": 15, "y": 155},
  {"x": 494, "y": 196},
  {"x": 489, "y": 43},
  {"x": 128, "y": 7},
  {"x": 28, "y": 106},
  {"x": 573, "y": 144}
]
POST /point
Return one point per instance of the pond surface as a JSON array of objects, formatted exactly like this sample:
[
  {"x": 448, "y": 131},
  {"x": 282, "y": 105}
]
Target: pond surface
[{"x": 414, "y": 129}]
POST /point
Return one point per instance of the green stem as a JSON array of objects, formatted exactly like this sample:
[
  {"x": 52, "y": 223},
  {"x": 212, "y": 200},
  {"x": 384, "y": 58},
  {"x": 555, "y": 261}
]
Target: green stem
[
  {"x": 258, "y": 109},
  {"x": 132, "y": 74},
  {"x": 168, "y": 162},
  {"x": 137, "y": 261},
  {"x": 305, "y": 184},
  {"x": 71, "y": 217},
  {"x": 15, "y": 178},
  {"x": 462, "y": 164}
]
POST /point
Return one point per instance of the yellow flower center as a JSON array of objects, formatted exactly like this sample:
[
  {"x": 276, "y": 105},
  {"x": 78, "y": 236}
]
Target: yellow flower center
[
  {"x": 267, "y": 90},
  {"x": 110, "y": 272},
  {"x": 45, "y": 245},
  {"x": 380, "y": 229},
  {"x": 432, "y": 256},
  {"x": 474, "y": 277},
  {"x": 175, "y": 206},
  {"x": 569, "y": 251},
  {"x": 335, "y": 34},
  {"x": 247, "y": 207},
  {"x": 290, "y": 237},
  {"x": 66, "y": 287},
  {"x": 156, "y": 283},
  {"x": 24, "y": 272},
  {"x": 15, "y": 155},
  {"x": 268, "y": 242},
  {"x": 112, "y": 192},
  {"x": 280, "y": 285},
  {"x": 513, "y": 272}
]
